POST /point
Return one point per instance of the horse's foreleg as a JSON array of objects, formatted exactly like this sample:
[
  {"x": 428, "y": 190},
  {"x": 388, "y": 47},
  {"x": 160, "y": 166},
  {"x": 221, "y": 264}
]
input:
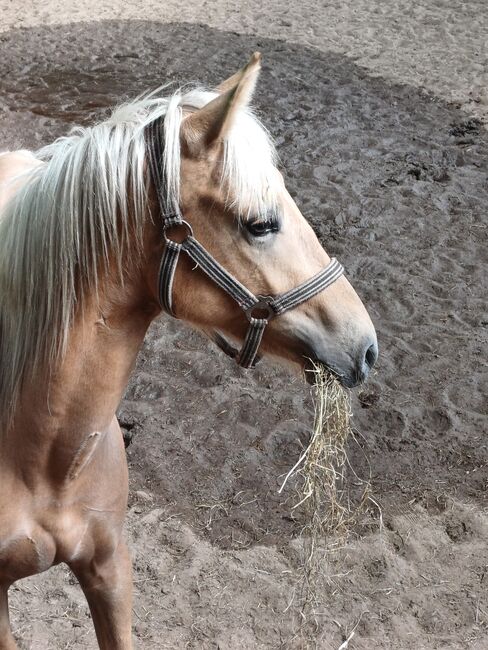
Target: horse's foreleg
[
  {"x": 108, "y": 590},
  {"x": 7, "y": 641}
]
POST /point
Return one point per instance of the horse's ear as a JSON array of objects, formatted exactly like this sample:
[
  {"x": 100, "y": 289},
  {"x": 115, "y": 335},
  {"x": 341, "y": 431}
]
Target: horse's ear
[
  {"x": 229, "y": 83},
  {"x": 212, "y": 122}
]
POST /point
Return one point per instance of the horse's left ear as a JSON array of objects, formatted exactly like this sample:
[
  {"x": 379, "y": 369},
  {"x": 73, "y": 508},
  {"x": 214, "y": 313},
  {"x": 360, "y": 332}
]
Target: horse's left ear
[
  {"x": 230, "y": 83},
  {"x": 213, "y": 121}
]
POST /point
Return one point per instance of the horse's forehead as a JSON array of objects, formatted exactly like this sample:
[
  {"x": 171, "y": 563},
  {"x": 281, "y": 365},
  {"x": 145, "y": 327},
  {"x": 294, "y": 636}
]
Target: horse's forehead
[{"x": 202, "y": 174}]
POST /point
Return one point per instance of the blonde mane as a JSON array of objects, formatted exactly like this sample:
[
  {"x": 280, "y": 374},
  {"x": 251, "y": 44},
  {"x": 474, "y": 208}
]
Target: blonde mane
[{"x": 74, "y": 214}]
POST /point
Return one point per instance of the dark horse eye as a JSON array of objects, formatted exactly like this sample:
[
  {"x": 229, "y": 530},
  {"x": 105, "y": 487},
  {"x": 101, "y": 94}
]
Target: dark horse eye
[{"x": 262, "y": 227}]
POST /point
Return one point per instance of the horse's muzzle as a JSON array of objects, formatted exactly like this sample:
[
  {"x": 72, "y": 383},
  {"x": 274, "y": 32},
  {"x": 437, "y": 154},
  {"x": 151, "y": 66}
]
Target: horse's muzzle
[{"x": 349, "y": 371}]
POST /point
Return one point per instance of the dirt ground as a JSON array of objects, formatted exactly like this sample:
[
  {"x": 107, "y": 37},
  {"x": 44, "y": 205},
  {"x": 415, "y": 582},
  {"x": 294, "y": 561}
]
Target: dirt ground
[{"x": 379, "y": 110}]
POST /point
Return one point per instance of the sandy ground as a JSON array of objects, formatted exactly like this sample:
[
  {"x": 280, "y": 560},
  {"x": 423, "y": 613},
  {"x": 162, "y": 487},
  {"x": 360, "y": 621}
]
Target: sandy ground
[{"x": 378, "y": 109}]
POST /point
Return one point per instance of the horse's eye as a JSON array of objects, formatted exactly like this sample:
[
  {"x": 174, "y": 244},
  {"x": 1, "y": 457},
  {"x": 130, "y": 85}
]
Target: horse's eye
[{"x": 263, "y": 227}]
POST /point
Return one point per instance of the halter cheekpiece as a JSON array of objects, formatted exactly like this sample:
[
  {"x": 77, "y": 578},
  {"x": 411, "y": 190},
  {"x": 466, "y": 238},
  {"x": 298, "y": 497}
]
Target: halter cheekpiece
[{"x": 259, "y": 310}]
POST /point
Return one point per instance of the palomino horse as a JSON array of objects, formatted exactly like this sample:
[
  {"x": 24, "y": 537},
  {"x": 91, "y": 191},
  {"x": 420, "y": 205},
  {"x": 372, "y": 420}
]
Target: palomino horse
[{"x": 81, "y": 279}]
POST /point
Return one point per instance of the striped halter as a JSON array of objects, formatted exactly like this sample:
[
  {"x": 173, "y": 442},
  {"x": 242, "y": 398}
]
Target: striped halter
[{"x": 259, "y": 310}]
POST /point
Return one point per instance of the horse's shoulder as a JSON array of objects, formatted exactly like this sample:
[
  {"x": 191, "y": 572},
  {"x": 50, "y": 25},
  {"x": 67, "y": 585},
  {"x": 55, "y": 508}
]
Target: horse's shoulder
[
  {"x": 17, "y": 162},
  {"x": 14, "y": 166}
]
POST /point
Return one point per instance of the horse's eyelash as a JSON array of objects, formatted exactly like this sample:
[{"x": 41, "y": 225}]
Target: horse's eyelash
[{"x": 271, "y": 218}]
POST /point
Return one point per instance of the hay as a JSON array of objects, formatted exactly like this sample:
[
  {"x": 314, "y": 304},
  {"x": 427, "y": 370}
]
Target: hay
[
  {"x": 320, "y": 470},
  {"x": 322, "y": 491}
]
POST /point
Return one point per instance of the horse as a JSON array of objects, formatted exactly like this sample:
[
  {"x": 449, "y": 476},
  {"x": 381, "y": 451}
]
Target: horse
[{"x": 174, "y": 203}]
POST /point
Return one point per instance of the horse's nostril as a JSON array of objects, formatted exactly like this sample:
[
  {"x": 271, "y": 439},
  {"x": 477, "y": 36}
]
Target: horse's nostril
[{"x": 371, "y": 355}]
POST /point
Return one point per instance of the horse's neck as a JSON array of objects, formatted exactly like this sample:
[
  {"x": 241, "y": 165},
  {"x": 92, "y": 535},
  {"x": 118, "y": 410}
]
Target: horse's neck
[{"x": 59, "y": 410}]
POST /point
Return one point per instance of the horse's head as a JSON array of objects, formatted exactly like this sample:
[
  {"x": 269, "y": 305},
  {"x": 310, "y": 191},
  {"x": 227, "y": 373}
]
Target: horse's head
[{"x": 235, "y": 199}]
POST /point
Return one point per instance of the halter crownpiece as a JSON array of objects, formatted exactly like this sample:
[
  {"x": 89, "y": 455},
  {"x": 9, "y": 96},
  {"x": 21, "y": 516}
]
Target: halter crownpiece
[{"x": 259, "y": 310}]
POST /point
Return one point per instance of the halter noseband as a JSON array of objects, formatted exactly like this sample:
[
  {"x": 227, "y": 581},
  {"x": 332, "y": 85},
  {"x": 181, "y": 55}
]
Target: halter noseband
[{"x": 259, "y": 310}]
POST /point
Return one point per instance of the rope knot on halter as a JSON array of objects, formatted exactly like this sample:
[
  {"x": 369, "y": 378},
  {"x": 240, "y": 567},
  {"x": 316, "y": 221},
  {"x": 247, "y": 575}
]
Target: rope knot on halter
[{"x": 259, "y": 310}]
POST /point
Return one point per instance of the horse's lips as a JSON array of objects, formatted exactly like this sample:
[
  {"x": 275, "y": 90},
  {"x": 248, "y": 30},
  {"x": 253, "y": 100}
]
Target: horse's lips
[{"x": 312, "y": 364}]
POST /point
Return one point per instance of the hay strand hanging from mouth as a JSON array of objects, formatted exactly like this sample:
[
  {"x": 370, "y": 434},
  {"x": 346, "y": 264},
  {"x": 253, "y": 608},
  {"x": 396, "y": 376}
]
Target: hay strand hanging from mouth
[
  {"x": 321, "y": 466},
  {"x": 320, "y": 477}
]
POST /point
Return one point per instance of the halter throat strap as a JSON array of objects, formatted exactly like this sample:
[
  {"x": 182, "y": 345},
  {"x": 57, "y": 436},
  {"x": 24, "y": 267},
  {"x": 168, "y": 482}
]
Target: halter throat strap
[{"x": 259, "y": 310}]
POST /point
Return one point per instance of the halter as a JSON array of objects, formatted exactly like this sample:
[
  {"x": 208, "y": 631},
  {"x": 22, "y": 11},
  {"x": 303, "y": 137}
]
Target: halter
[{"x": 259, "y": 310}]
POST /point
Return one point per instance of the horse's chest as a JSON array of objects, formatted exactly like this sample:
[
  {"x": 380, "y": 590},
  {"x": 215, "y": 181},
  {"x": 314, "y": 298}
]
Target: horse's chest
[
  {"x": 25, "y": 548},
  {"x": 31, "y": 545}
]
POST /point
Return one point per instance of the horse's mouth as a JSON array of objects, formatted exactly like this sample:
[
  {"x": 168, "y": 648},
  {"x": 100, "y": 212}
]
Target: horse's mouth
[{"x": 312, "y": 366}]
